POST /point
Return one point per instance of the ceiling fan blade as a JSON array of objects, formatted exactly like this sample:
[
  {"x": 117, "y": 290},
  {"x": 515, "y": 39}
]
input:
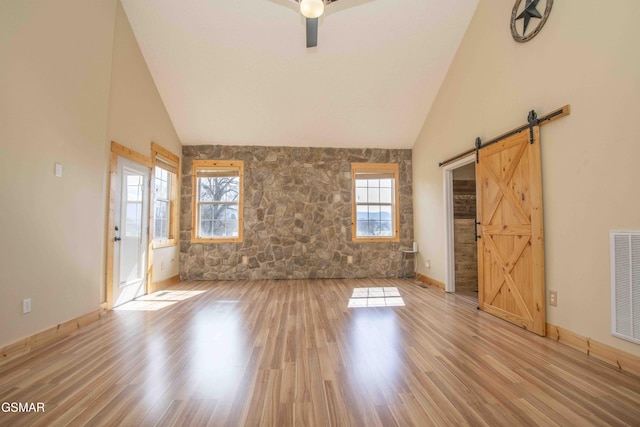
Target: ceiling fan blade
[{"x": 312, "y": 32}]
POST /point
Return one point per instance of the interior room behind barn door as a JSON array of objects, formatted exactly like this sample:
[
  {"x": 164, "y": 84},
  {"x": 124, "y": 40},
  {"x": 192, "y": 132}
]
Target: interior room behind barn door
[{"x": 464, "y": 217}]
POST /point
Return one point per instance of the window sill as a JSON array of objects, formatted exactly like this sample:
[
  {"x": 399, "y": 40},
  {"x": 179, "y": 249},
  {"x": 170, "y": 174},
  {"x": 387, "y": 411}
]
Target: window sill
[
  {"x": 220, "y": 240},
  {"x": 158, "y": 244},
  {"x": 376, "y": 239}
]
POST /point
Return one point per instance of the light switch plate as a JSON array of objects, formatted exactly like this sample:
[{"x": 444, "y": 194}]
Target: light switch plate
[{"x": 58, "y": 170}]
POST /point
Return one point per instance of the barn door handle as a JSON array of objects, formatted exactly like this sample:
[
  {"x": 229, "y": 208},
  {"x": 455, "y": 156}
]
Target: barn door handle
[{"x": 475, "y": 228}]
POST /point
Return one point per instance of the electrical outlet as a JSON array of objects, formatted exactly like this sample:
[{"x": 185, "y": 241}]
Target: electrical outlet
[
  {"x": 553, "y": 298},
  {"x": 349, "y": 259},
  {"x": 427, "y": 263},
  {"x": 26, "y": 306},
  {"x": 245, "y": 259}
]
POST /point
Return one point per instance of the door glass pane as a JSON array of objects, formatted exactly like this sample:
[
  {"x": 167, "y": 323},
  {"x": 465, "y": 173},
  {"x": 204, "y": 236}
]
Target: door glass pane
[
  {"x": 132, "y": 220},
  {"x": 134, "y": 188},
  {"x": 133, "y": 206}
]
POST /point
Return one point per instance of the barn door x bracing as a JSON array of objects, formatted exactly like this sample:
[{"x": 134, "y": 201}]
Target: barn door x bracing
[{"x": 511, "y": 244}]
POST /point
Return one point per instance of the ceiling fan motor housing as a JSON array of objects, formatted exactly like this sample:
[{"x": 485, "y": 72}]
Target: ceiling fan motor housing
[{"x": 312, "y": 8}]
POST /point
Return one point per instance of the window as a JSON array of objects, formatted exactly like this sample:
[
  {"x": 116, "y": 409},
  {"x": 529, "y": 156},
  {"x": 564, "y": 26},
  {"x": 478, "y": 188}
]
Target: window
[
  {"x": 162, "y": 203},
  {"x": 165, "y": 197},
  {"x": 375, "y": 202},
  {"x": 217, "y": 195}
]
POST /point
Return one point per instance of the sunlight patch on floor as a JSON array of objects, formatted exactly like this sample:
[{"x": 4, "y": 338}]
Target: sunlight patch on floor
[
  {"x": 376, "y": 297},
  {"x": 157, "y": 300}
]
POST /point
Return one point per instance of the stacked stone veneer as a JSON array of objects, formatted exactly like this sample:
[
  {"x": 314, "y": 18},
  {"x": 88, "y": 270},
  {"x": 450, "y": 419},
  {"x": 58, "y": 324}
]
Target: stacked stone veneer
[{"x": 297, "y": 216}]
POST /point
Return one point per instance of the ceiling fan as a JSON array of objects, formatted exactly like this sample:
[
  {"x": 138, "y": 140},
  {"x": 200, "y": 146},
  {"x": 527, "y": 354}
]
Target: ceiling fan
[{"x": 312, "y": 10}]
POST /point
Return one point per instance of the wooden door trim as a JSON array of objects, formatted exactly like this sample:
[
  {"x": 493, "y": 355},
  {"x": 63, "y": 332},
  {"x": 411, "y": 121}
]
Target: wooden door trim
[{"x": 118, "y": 150}]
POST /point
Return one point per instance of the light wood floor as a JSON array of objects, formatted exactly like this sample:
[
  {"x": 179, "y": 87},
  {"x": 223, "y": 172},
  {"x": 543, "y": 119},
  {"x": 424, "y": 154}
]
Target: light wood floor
[
  {"x": 468, "y": 294},
  {"x": 285, "y": 353}
]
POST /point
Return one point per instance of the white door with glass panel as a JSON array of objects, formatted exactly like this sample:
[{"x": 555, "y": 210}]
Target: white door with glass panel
[{"x": 130, "y": 242}]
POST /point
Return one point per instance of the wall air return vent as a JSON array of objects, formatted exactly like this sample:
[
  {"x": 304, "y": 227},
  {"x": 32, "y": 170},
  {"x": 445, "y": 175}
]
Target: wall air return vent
[{"x": 625, "y": 285}]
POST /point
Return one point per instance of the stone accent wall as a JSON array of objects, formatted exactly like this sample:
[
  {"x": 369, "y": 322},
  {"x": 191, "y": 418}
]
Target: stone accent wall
[{"x": 297, "y": 216}]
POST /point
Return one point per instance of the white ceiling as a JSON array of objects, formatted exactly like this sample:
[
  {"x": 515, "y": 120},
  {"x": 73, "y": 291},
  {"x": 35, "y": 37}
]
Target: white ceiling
[{"x": 237, "y": 72}]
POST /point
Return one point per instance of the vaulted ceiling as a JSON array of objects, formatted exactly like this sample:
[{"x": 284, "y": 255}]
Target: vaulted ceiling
[{"x": 237, "y": 72}]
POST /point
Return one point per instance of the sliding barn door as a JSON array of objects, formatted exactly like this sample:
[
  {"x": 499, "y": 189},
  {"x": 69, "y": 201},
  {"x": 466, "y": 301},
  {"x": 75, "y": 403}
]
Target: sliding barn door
[{"x": 511, "y": 244}]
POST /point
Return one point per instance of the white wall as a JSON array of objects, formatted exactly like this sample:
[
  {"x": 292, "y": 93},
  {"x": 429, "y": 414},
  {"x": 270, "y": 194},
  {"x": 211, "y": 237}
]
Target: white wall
[
  {"x": 586, "y": 56},
  {"x": 72, "y": 79},
  {"x": 54, "y": 81}
]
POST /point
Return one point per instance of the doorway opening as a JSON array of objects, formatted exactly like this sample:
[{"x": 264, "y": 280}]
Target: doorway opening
[
  {"x": 128, "y": 249},
  {"x": 464, "y": 231},
  {"x": 460, "y": 210}
]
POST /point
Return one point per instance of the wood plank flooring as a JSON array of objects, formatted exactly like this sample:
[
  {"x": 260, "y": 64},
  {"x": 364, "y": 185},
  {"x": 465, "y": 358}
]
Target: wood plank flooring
[{"x": 290, "y": 353}]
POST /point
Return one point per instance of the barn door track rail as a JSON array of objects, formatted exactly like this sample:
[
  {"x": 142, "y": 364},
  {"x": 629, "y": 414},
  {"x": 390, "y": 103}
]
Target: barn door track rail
[{"x": 532, "y": 121}]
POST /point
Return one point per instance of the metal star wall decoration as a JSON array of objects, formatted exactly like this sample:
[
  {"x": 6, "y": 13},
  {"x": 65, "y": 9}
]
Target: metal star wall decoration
[{"x": 530, "y": 11}]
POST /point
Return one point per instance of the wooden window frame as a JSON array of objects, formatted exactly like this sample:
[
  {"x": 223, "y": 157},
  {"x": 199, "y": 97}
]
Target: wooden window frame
[
  {"x": 165, "y": 199},
  {"x": 386, "y": 168},
  {"x": 231, "y": 165},
  {"x": 160, "y": 156}
]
